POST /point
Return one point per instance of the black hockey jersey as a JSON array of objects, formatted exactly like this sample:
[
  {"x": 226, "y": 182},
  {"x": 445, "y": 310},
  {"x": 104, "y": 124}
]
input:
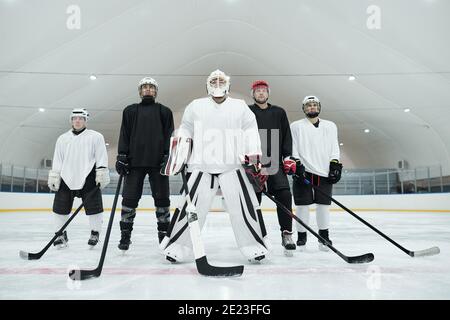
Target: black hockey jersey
[
  {"x": 145, "y": 134},
  {"x": 274, "y": 117}
]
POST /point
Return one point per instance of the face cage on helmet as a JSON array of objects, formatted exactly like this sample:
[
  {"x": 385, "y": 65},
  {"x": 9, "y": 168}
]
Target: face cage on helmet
[
  {"x": 152, "y": 84},
  {"x": 318, "y": 104},
  {"x": 225, "y": 88}
]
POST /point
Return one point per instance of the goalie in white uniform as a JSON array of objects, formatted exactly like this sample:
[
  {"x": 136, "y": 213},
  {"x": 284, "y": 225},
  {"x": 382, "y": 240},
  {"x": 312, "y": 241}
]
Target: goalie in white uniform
[
  {"x": 80, "y": 163},
  {"x": 225, "y": 152}
]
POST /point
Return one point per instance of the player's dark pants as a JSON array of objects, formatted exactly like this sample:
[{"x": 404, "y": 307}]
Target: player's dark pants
[
  {"x": 134, "y": 183},
  {"x": 62, "y": 204},
  {"x": 304, "y": 194},
  {"x": 132, "y": 192},
  {"x": 278, "y": 186}
]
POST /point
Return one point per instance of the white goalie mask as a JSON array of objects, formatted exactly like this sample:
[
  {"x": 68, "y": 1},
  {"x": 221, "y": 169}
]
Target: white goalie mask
[{"x": 218, "y": 84}]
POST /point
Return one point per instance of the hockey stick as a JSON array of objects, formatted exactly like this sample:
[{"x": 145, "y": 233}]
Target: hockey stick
[
  {"x": 420, "y": 253},
  {"x": 203, "y": 267},
  {"x": 365, "y": 258},
  {"x": 35, "y": 256},
  {"x": 95, "y": 273}
]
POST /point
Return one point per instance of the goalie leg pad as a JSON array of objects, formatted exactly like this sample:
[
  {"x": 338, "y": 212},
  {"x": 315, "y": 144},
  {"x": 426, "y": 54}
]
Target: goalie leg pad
[
  {"x": 245, "y": 215},
  {"x": 178, "y": 240}
]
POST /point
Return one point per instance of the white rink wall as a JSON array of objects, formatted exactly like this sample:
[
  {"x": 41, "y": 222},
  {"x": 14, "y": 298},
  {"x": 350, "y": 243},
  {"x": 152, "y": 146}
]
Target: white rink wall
[{"x": 435, "y": 202}]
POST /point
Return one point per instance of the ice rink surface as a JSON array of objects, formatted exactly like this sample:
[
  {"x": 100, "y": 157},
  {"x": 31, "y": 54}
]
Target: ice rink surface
[{"x": 143, "y": 273}]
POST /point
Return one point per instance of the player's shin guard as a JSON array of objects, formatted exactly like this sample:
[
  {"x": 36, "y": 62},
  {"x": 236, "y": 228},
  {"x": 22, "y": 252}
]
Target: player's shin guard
[
  {"x": 126, "y": 226},
  {"x": 163, "y": 217}
]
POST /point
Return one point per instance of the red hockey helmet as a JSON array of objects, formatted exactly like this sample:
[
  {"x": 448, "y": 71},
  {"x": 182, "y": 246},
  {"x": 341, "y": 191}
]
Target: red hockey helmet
[{"x": 260, "y": 83}]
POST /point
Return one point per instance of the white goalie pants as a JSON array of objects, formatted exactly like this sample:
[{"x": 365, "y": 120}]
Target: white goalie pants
[{"x": 242, "y": 206}]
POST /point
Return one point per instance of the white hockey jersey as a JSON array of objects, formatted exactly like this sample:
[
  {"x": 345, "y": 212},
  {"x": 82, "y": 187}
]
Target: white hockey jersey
[
  {"x": 315, "y": 147},
  {"x": 75, "y": 156},
  {"x": 222, "y": 134}
]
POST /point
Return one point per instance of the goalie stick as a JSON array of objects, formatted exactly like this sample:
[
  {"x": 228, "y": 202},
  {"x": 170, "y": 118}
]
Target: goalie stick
[
  {"x": 95, "y": 273},
  {"x": 419, "y": 253},
  {"x": 35, "y": 256},
  {"x": 365, "y": 258},
  {"x": 203, "y": 267}
]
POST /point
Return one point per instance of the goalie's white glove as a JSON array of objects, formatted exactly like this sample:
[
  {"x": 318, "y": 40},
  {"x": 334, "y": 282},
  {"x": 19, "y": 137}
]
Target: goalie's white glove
[
  {"x": 54, "y": 180},
  {"x": 102, "y": 177},
  {"x": 179, "y": 153}
]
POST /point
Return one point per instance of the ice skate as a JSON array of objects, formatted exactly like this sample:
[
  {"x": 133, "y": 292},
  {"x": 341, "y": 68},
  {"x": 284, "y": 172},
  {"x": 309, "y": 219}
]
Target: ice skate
[
  {"x": 93, "y": 240},
  {"x": 62, "y": 241},
  {"x": 301, "y": 241},
  {"x": 287, "y": 243},
  {"x": 324, "y": 234}
]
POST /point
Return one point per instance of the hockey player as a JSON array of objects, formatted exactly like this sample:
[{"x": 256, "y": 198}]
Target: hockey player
[
  {"x": 80, "y": 163},
  {"x": 315, "y": 143},
  {"x": 225, "y": 152},
  {"x": 143, "y": 143},
  {"x": 273, "y": 120}
]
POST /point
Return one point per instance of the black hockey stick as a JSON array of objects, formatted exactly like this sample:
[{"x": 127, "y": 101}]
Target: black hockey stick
[
  {"x": 420, "y": 253},
  {"x": 95, "y": 273},
  {"x": 203, "y": 267},
  {"x": 35, "y": 256},
  {"x": 365, "y": 258}
]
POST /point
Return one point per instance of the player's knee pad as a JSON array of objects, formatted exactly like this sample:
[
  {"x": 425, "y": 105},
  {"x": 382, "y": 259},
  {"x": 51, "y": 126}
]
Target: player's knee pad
[
  {"x": 130, "y": 203},
  {"x": 162, "y": 202},
  {"x": 128, "y": 214}
]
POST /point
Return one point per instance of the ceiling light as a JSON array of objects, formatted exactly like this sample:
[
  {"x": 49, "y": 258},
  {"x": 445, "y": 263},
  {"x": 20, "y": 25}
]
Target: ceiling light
[
  {"x": 41, "y": 110},
  {"x": 107, "y": 144},
  {"x": 366, "y": 130},
  {"x": 93, "y": 77},
  {"x": 352, "y": 78},
  {"x": 407, "y": 110},
  {"x": 341, "y": 144}
]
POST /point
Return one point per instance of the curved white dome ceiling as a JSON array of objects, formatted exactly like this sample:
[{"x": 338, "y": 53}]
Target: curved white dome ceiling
[{"x": 300, "y": 47}]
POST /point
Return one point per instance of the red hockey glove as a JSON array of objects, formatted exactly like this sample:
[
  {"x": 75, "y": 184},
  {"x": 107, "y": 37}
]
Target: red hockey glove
[{"x": 252, "y": 167}]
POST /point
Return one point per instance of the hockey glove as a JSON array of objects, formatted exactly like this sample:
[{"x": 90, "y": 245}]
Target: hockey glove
[
  {"x": 334, "y": 174},
  {"x": 252, "y": 167},
  {"x": 102, "y": 177},
  {"x": 54, "y": 180},
  {"x": 293, "y": 166},
  {"x": 122, "y": 164}
]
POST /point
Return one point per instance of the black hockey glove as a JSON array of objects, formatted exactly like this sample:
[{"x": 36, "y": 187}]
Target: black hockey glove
[
  {"x": 335, "y": 171},
  {"x": 252, "y": 167},
  {"x": 122, "y": 164}
]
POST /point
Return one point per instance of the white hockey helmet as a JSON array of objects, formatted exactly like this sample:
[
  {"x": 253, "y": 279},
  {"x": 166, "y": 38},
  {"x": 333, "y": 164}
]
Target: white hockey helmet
[
  {"x": 80, "y": 112},
  {"x": 219, "y": 88},
  {"x": 147, "y": 80},
  {"x": 309, "y": 99}
]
